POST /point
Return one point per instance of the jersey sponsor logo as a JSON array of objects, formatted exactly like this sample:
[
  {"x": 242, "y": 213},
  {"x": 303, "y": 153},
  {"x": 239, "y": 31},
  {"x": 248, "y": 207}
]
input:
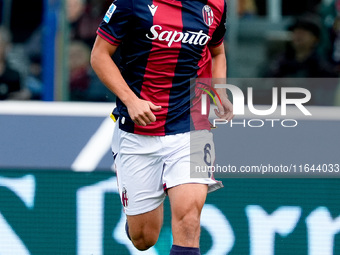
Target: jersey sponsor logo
[
  {"x": 190, "y": 37},
  {"x": 208, "y": 15},
  {"x": 153, "y": 9},
  {"x": 109, "y": 13}
]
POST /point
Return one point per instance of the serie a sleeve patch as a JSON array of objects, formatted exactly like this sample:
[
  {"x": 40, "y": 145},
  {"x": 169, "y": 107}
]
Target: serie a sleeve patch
[{"x": 109, "y": 13}]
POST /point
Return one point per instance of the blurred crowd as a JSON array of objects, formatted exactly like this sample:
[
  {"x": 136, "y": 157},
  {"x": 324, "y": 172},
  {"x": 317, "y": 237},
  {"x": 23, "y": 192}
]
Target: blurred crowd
[
  {"x": 21, "y": 43},
  {"x": 315, "y": 33},
  {"x": 312, "y": 51}
]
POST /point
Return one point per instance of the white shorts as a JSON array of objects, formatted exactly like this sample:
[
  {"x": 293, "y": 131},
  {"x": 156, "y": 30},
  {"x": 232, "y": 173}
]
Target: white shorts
[{"x": 148, "y": 165}]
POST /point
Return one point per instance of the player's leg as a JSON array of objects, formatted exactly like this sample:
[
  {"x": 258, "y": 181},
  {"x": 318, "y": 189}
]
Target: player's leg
[
  {"x": 187, "y": 191},
  {"x": 186, "y": 202},
  {"x": 139, "y": 177},
  {"x": 144, "y": 229}
]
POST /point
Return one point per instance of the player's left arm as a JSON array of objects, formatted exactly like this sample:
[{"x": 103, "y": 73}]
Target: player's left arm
[{"x": 219, "y": 72}]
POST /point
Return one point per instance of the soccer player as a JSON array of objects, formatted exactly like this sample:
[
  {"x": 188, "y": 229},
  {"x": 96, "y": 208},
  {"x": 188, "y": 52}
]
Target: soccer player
[{"x": 164, "y": 43}]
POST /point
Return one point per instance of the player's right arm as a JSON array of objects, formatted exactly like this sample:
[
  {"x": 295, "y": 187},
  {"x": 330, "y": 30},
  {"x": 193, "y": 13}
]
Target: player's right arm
[{"x": 139, "y": 110}]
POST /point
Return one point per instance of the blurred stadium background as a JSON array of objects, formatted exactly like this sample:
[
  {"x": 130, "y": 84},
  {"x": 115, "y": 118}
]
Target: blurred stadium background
[{"x": 58, "y": 193}]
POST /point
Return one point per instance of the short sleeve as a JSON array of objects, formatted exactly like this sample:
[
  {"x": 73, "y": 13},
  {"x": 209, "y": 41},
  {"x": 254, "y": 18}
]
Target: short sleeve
[
  {"x": 218, "y": 35},
  {"x": 115, "y": 22}
]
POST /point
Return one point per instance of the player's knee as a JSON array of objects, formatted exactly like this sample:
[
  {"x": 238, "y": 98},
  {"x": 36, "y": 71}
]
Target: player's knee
[
  {"x": 145, "y": 237},
  {"x": 189, "y": 223},
  {"x": 144, "y": 242},
  {"x": 188, "y": 217}
]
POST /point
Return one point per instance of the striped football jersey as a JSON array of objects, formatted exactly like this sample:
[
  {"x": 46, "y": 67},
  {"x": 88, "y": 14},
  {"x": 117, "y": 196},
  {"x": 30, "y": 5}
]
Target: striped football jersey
[{"x": 164, "y": 44}]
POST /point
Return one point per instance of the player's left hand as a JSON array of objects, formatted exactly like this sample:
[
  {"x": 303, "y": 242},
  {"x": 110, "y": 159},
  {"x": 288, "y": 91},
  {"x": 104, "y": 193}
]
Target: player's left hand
[{"x": 224, "y": 111}]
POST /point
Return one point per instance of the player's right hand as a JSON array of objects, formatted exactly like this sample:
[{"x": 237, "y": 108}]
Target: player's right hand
[{"x": 141, "y": 112}]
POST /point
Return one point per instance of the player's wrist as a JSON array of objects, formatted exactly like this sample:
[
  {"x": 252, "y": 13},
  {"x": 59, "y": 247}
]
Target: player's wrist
[
  {"x": 222, "y": 92},
  {"x": 129, "y": 99}
]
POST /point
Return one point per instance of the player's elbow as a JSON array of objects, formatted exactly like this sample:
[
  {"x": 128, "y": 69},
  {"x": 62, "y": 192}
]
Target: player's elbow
[{"x": 94, "y": 58}]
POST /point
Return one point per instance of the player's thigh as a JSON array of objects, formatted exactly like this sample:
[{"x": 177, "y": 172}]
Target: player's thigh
[
  {"x": 192, "y": 150},
  {"x": 140, "y": 184},
  {"x": 187, "y": 200},
  {"x": 146, "y": 225},
  {"x": 139, "y": 173}
]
